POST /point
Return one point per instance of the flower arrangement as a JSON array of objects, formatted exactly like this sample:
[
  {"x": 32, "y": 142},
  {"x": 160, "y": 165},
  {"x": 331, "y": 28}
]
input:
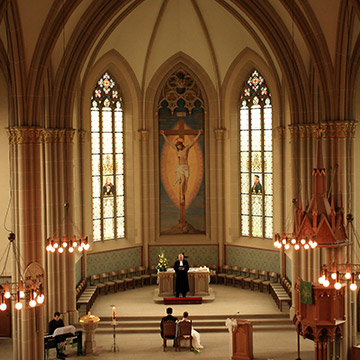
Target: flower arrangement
[{"x": 162, "y": 263}]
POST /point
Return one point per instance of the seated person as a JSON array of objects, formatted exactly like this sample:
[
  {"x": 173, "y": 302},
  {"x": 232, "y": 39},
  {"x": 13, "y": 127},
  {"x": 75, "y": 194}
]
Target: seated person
[
  {"x": 168, "y": 317},
  {"x": 195, "y": 335},
  {"x": 55, "y": 323}
]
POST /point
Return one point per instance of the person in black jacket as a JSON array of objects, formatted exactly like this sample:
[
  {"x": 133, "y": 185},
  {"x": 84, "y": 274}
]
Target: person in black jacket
[
  {"x": 55, "y": 323},
  {"x": 181, "y": 268},
  {"x": 168, "y": 317}
]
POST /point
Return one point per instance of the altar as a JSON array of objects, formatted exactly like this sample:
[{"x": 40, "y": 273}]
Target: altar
[{"x": 199, "y": 279}]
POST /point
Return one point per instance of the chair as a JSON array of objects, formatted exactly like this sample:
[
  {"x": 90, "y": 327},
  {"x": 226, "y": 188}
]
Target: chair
[
  {"x": 119, "y": 283},
  {"x": 129, "y": 280},
  {"x": 256, "y": 283},
  {"x": 225, "y": 271},
  {"x": 184, "y": 334},
  {"x": 272, "y": 278},
  {"x": 95, "y": 280},
  {"x": 169, "y": 333},
  {"x": 153, "y": 275},
  {"x": 253, "y": 274},
  {"x": 108, "y": 282},
  {"x": 212, "y": 269},
  {"x": 244, "y": 272},
  {"x": 137, "y": 277},
  {"x": 235, "y": 271},
  {"x": 145, "y": 276}
]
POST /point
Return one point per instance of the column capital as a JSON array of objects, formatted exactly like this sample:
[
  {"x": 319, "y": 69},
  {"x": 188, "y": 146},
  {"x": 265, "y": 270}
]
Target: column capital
[
  {"x": 328, "y": 129},
  {"x": 36, "y": 135},
  {"x": 143, "y": 134},
  {"x": 220, "y": 134}
]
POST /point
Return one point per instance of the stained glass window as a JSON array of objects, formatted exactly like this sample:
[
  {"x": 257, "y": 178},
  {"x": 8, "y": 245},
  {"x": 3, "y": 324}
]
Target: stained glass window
[
  {"x": 107, "y": 161},
  {"x": 256, "y": 158}
]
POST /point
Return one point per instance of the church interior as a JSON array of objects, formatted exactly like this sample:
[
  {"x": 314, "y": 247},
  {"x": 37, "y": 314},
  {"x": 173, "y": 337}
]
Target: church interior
[{"x": 136, "y": 130}]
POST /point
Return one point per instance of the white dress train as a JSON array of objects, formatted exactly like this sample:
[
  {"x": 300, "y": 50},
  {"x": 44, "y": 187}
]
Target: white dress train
[{"x": 196, "y": 339}]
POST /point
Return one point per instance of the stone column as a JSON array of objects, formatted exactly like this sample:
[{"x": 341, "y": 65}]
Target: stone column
[{"x": 26, "y": 174}]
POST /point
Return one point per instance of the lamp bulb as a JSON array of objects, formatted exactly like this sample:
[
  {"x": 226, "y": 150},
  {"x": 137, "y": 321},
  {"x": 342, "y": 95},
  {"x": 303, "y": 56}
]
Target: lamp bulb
[
  {"x": 18, "y": 306},
  {"x": 87, "y": 247},
  {"x": 326, "y": 283},
  {"x": 32, "y": 303},
  {"x": 40, "y": 299},
  {"x": 7, "y": 295},
  {"x": 22, "y": 294},
  {"x": 3, "y": 307},
  {"x": 61, "y": 250},
  {"x": 347, "y": 276},
  {"x": 333, "y": 275},
  {"x": 306, "y": 246},
  {"x": 71, "y": 249},
  {"x": 353, "y": 287},
  {"x": 337, "y": 286},
  {"x": 297, "y": 247}
]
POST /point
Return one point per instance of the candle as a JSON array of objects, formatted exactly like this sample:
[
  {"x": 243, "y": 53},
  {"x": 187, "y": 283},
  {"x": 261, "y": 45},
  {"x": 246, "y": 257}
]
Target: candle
[{"x": 113, "y": 310}]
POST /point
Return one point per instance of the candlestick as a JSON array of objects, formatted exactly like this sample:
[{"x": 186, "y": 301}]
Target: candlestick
[{"x": 113, "y": 312}]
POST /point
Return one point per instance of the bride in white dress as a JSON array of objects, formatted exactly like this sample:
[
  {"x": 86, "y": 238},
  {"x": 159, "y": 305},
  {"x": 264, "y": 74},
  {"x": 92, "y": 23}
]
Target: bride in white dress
[{"x": 195, "y": 335}]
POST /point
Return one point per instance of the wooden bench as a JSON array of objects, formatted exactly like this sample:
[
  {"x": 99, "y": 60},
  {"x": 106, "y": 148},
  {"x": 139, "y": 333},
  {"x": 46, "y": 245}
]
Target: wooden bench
[{"x": 87, "y": 296}]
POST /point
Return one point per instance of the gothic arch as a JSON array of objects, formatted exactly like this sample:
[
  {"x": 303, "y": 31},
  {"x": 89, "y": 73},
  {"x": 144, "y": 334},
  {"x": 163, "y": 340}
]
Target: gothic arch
[
  {"x": 123, "y": 75},
  {"x": 237, "y": 74}
]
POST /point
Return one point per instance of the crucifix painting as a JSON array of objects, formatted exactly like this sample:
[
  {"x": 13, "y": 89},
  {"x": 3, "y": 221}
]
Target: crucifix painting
[{"x": 181, "y": 149}]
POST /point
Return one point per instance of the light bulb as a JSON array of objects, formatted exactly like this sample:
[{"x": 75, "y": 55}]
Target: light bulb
[
  {"x": 40, "y": 299},
  {"x": 321, "y": 279},
  {"x": 297, "y": 247},
  {"x": 22, "y": 294},
  {"x": 74, "y": 244},
  {"x": 87, "y": 246},
  {"x": 7, "y": 295},
  {"x": 52, "y": 249},
  {"x": 18, "y": 306},
  {"x": 326, "y": 283},
  {"x": 287, "y": 246},
  {"x": 347, "y": 276},
  {"x": 3, "y": 306},
  {"x": 306, "y": 246},
  {"x": 32, "y": 303},
  {"x": 64, "y": 244},
  {"x": 61, "y": 250},
  {"x": 302, "y": 241},
  {"x": 333, "y": 275},
  {"x": 80, "y": 248},
  {"x": 313, "y": 244},
  {"x": 293, "y": 241},
  {"x": 337, "y": 286},
  {"x": 353, "y": 287},
  {"x": 71, "y": 249},
  {"x": 56, "y": 245}
]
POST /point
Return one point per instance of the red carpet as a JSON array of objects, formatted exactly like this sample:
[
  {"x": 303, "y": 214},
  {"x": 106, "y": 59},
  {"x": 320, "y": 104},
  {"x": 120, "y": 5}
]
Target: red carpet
[{"x": 182, "y": 300}]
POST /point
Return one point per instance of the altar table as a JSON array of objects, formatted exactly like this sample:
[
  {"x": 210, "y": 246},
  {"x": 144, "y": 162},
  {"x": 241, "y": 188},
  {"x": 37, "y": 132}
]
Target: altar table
[{"x": 198, "y": 282}]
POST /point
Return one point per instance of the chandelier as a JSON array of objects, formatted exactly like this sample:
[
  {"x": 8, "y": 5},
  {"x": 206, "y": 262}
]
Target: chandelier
[
  {"x": 340, "y": 275},
  {"x": 60, "y": 244},
  {"x": 286, "y": 241},
  {"x": 28, "y": 289}
]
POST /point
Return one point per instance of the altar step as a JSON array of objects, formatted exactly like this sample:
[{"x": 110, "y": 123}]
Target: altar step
[{"x": 202, "y": 323}]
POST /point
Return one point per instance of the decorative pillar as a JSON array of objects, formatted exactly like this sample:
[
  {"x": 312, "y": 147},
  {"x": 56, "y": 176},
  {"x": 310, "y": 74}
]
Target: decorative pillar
[
  {"x": 26, "y": 174},
  {"x": 220, "y": 137}
]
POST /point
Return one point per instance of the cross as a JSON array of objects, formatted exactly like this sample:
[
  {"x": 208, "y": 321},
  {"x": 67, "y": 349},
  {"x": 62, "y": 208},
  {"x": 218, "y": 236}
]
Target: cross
[{"x": 180, "y": 131}]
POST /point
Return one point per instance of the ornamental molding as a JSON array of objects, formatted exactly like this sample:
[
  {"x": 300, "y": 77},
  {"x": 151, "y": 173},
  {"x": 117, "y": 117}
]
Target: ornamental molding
[
  {"x": 281, "y": 130},
  {"x": 220, "y": 134},
  {"x": 143, "y": 135},
  {"x": 33, "y": 135},
  {"x": 331, "y": 129}
]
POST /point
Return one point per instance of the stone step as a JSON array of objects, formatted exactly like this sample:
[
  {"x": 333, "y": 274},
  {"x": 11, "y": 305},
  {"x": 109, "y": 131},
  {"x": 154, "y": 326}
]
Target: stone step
[
  {"x": 196, "y": 323},
  {"x": 201, "y": 329}
]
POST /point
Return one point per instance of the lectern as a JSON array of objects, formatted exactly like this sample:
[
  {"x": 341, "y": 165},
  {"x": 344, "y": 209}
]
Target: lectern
[{"x": 242, "y": 340}]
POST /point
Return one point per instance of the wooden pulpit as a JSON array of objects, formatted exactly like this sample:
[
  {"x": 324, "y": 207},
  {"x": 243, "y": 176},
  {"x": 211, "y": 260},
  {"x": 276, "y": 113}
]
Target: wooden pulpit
[
  {"x": 319, "y": 314},
  {"x": 242, "y": 341}
]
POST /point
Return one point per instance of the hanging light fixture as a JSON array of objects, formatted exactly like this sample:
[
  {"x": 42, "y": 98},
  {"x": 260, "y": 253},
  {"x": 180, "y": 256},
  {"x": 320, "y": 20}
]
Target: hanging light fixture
[
  {"x": 60, "y": 244},
  {"x": 29, "y": 289},
  {"x": 287, "y": 241}
]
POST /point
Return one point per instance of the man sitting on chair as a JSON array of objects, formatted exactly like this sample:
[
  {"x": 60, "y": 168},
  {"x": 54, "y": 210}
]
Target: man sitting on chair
[
  {"x": 53, "y": 325},
  {"x": 168, "y": 317}
]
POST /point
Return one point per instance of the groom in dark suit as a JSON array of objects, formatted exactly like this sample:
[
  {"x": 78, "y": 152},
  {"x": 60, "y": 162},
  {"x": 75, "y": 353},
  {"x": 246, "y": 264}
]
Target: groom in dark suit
[
  {"x": 168, "y": 317},
  {"x": 181, "y": 268}
]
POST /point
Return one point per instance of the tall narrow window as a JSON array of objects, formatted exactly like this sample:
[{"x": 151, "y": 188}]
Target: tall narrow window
[
  {"x": 107, "y": 158},
  {"x": 256, "y": 158}
]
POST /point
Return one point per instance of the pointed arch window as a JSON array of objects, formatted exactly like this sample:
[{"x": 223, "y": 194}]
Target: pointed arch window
[
  {"x": 107, "y": 161},
  {"x": 256, "y": 158}
]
